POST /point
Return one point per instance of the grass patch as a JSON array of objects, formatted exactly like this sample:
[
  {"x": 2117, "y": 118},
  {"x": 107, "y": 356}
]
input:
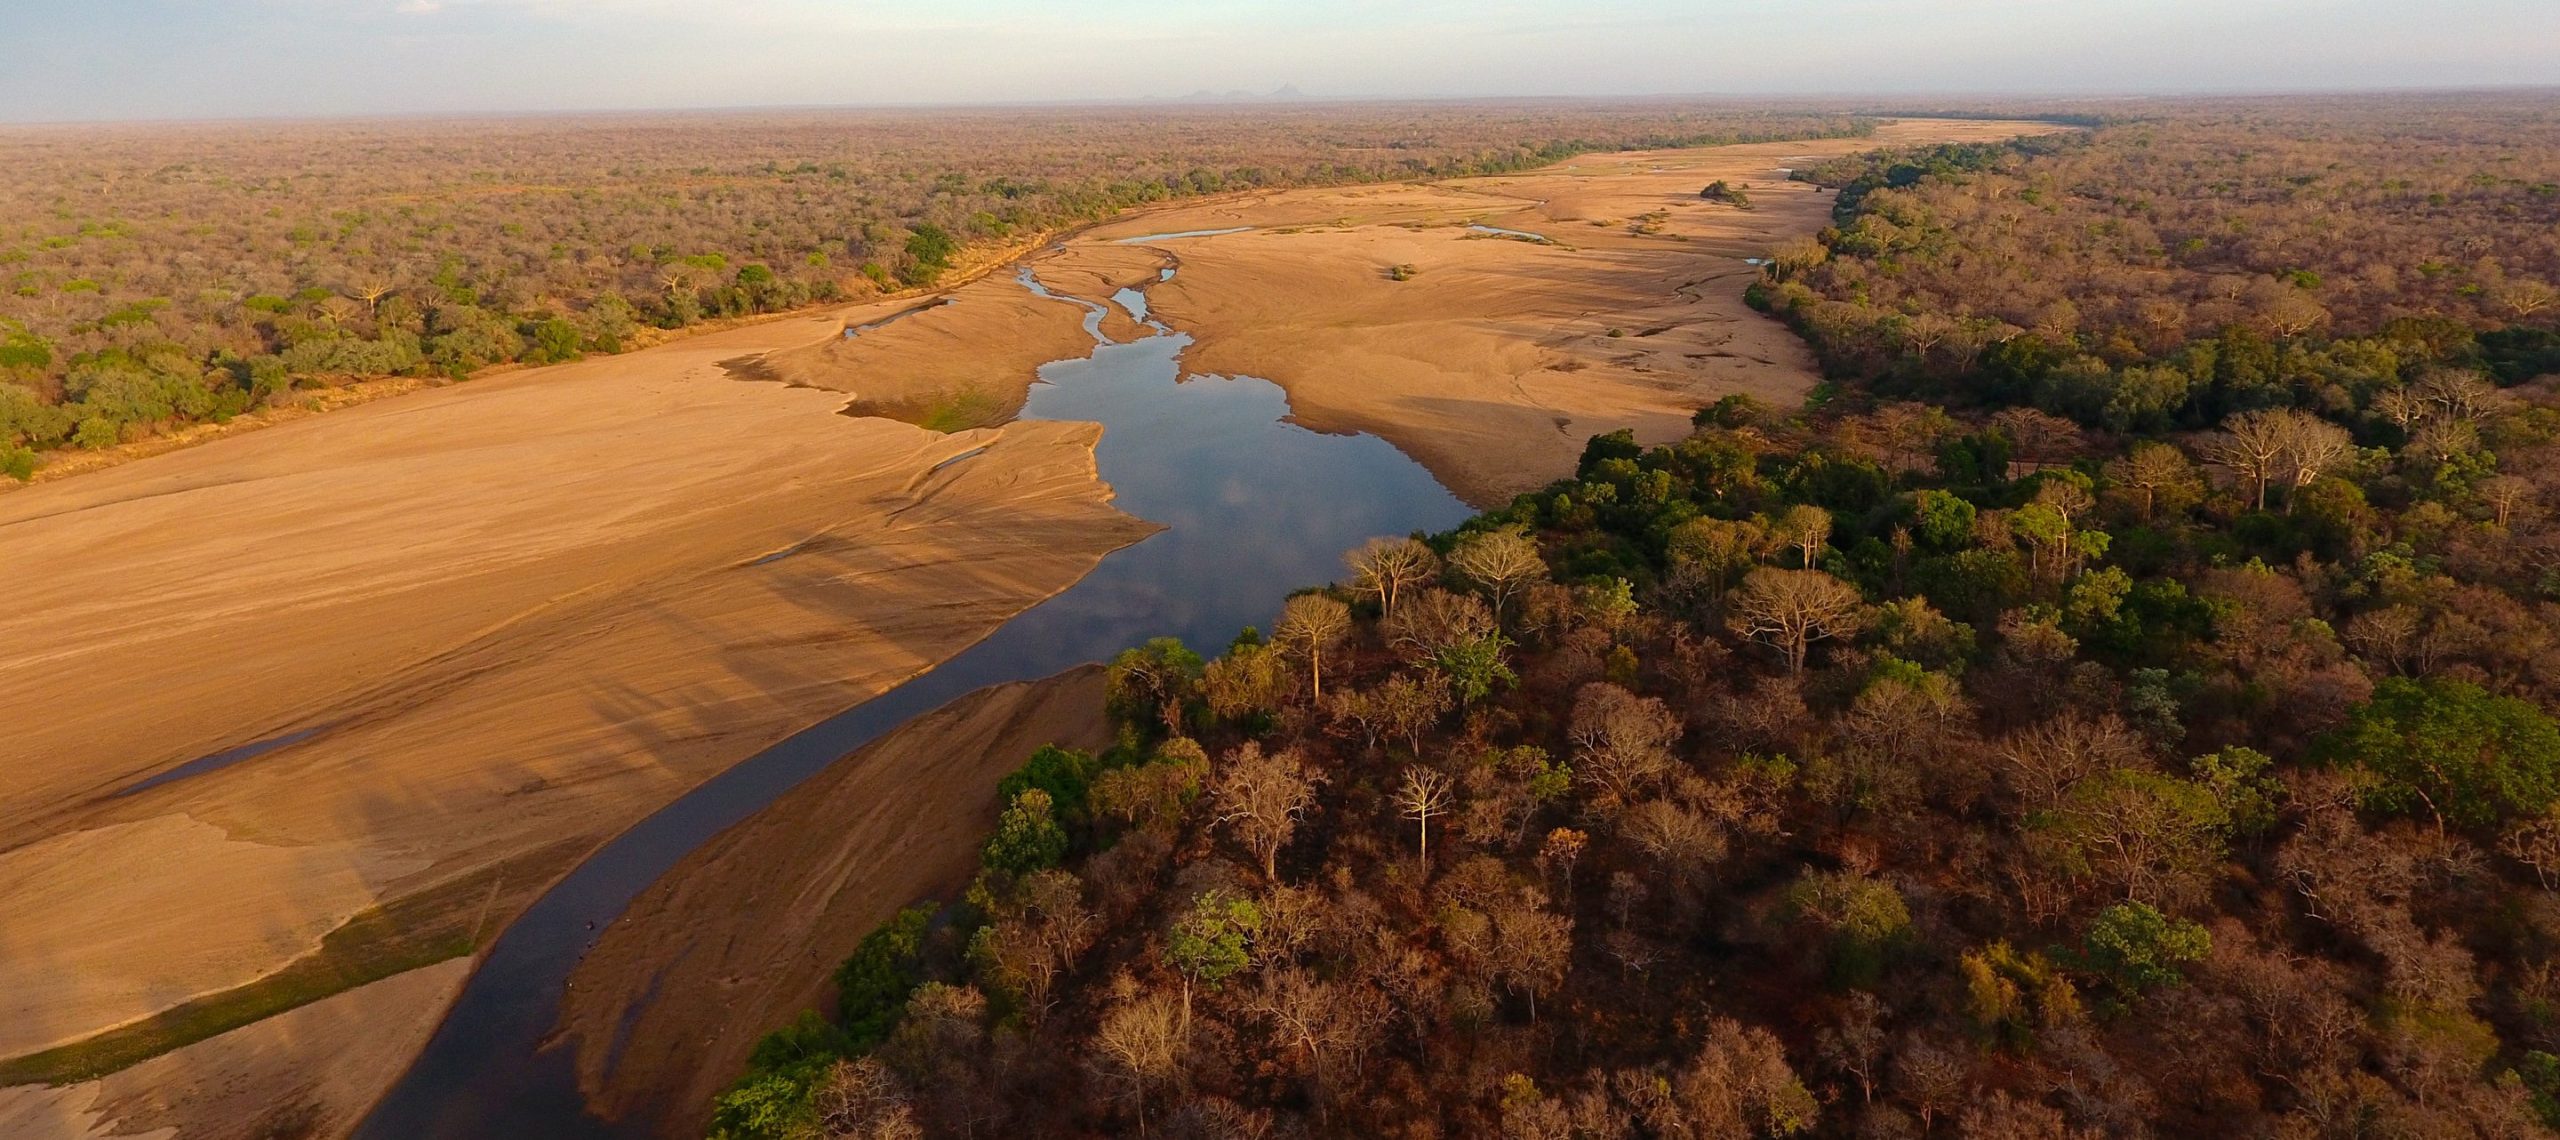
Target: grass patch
[{"x": 444, "y": 922}]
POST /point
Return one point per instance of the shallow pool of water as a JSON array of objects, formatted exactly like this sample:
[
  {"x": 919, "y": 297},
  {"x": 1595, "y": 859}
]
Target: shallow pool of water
[
  {"x": 1142, "y": 239},
  {"x": 1523, "y": 235},
  {"x": 1254, "y": 507}
]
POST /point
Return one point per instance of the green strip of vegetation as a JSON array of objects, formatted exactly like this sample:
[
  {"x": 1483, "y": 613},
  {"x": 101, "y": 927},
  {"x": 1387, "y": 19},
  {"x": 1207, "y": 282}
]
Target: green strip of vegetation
[{"x": 445, "y": 922}]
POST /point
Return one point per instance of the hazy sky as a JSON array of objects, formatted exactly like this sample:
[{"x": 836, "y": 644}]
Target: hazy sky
[{"x": 89, "y": 59}]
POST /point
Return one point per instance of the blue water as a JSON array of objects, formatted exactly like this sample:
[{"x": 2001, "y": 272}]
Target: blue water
[
  {"x": 1523, "y": 235},
  {"x": 1254, "y": 508},
  {"x": 224, "y": 759}
]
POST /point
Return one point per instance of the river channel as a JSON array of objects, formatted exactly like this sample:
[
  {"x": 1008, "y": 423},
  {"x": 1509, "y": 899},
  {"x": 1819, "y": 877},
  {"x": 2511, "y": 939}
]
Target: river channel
[{"x": 1253, "y": 507}]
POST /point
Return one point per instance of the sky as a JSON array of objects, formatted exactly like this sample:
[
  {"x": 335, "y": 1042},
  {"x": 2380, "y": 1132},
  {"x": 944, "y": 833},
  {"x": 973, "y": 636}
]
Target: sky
[{"x": 157, "y": 59}]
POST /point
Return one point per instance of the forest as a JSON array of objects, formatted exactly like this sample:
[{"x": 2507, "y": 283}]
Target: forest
[
  {"x": 153, "y": 276},
  {"x": 2119, "y": 705}
]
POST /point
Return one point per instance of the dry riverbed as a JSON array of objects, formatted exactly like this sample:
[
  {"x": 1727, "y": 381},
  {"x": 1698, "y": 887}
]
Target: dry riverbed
[{"x": 493, "y": 624}]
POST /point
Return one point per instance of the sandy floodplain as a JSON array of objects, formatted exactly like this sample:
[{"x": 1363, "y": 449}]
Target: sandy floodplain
[
  {"x": 744, "y": 933},
  {"x": 1499, "y": 355},
  {"x": 1405, "y": 311},
  {"x": 310, "y": 1071},
  {"x": 491, "y": 621}
]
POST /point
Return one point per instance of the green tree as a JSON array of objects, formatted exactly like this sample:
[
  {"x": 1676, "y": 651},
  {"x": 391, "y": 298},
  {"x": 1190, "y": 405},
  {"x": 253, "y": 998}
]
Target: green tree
[
  {"x": 2452, "y": 750},
  {"x": 1027, "y": 836},
  {"x": 1211, "y": 943},
  {"x": 2135, "y": 949},
  {"x": 929, "y": 252},
  {"x": 873, "y": 983},
  {"x": 1066, "y": 774},
  {"x": 1154, "y": 682}
]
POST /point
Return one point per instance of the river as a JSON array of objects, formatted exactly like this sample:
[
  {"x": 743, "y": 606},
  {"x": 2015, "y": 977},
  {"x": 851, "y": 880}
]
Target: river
[{"x": 1254, "y": 506}]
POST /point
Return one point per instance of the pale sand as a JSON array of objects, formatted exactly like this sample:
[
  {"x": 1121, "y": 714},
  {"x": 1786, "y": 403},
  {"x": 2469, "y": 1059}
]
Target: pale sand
[
  {"x": 941, "y": 367},
  {"x": 526, "y": 610},
  {"x": 742, "y": 935},
  {"x": 1495, "y": 362},
  {"x": 311, "y": 1071},
  {"x": 76, "y": 907},
  {"x": 1491, "y": 366}
]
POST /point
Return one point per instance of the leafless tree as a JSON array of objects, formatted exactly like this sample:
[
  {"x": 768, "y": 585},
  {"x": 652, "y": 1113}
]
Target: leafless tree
[
  {"x": 1424, "y": 794},
  {"x": 862, "y": 1100},
  {"x": 1622, "y": 742},
  {"x": 1804, "y": 527},
  {"x": 1141, "y": 1042},
  {"x": 1500, "y": 562},
  {"x": 2160, "y": 472},
  {"x": 1310, "y": 626},
  {"x": 1792, "y": 609},
  {"x": 1389, "y": 568},
  {"x": 2253, "y": 445},
  {"x": 2311, "y": 446},
  {"x": 1260, "y": 798}
]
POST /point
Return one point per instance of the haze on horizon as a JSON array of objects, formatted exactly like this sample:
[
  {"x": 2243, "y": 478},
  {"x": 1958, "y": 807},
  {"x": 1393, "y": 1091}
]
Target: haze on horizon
[{"x": 153, "y": 59}]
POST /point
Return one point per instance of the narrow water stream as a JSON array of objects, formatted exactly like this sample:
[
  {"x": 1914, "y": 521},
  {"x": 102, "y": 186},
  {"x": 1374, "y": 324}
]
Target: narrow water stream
[{"x": 1254, "y": 507}]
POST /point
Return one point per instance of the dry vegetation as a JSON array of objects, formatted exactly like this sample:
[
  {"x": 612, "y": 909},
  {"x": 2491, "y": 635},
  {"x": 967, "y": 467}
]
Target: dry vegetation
[
  {"x": 156, "y": 276},
  {"x": 2143, "y": 275},
  {"x": 1885, "y": 769}
]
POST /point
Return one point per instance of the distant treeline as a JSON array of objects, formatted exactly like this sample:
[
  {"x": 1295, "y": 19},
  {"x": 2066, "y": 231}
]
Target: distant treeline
[
  {"x": 2173, "y": 271},
  {"x": 152, "y": 277}
]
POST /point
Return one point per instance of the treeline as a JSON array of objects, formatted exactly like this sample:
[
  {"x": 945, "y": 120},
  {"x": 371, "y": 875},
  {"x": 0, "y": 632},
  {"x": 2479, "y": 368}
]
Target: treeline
[
  {"x": 2173, "y": 271},
  {"x": 1883, "y": 770},
  {"x": 158, "y": 276}
]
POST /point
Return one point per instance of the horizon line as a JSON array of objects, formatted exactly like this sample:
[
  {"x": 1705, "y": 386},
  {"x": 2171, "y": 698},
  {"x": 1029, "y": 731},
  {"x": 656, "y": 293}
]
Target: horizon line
[{"x": 1277, "y": 100}]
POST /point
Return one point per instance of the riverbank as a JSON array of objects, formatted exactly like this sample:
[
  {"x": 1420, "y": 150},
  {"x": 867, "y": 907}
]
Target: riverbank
[
  {"x": 973, "y": 266},
  {"x": 492, "y": 619},
  {"x": 1490, "y": 356},
  {"x": 1485, "y": 326},
  {"x": 672, "y": 999}
]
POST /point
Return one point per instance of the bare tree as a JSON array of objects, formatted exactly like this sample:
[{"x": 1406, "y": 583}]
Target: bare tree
[
  {"x": 1805, "y": 527},
  {"x": 2402, "y": 406},
  {"x": 1425, "y": 794},
  {"x": 371, "y": 291},
  {"x": 2042, "y": 439},
  {"x": 1622, "y": 742},
  {"x": 1141, "y": 1041},
  {"x": 862, "y": 1100},
  {"x": 2311, "y": 446},
  {"x": 2046, "y": 760},
  {"x": 1501, "y": 562},
  {"x": 2457, "y": 393},
  {"x": 2159, "y": 472},
  {"x": 2525, "y": 298},
  {"x": 2503, "y": 494},
  {"x": 1261, "y": 798},
  {"x": 2253, "y": 445},
  {"x": 1792, "y": 609},
  {"x": 1388, "y": 568},
  {"x": 1435, "y": 620},
  {"x": 1309, "y": 625}
]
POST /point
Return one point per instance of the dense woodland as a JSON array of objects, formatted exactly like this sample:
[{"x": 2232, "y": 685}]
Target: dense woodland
[
  {"x": 1965, "y": 755},
  {"x": 154, "y": 276}
]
